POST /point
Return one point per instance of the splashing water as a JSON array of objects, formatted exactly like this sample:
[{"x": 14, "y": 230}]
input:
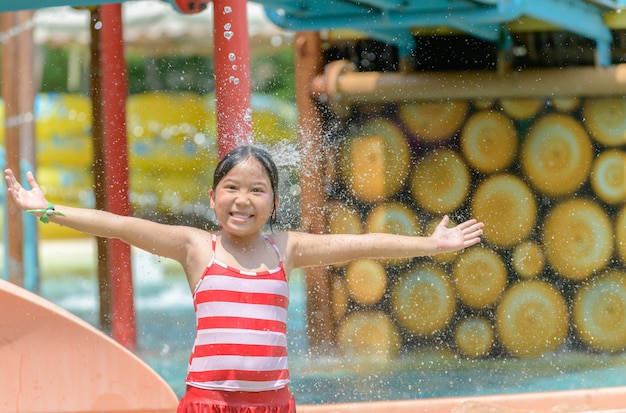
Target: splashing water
[
  {"x": 286, "y": 155},
  {"x": 248, "y": 115}
]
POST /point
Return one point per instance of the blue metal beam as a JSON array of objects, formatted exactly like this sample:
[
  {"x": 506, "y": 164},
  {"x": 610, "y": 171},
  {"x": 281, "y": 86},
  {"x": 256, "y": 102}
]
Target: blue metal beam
[
  {"x": 392, "y": 20},
  {"x": 480, "y": 18},
  {"x": 574, "y": 16},
  {"x": 340, "y": 19}
]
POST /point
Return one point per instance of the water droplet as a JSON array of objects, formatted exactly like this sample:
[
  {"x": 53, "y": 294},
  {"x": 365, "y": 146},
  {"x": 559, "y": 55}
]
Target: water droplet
[
  {"x": 234, "y": 67},
  {"x": 227, "y": 26},
  {"x": 231, "y": 57},
  {"x": 228, "y": 35},
  {"x": 276, "y": 41},
  {"x": 295, "y": 190},
  {"x": 228, "y": 9},
  {"x": 199, "y": 138}
]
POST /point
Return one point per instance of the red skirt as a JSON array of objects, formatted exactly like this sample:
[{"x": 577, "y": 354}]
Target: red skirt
[{"x": 198, "y": 400}]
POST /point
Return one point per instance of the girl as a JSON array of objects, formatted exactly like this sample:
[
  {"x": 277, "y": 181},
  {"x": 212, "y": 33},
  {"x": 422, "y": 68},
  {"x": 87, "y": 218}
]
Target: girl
[{"x": 238, "y": 276}]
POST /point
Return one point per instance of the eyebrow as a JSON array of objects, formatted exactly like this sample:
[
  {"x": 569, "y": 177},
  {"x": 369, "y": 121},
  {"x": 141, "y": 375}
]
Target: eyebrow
[{"x": 254, "y": 183}]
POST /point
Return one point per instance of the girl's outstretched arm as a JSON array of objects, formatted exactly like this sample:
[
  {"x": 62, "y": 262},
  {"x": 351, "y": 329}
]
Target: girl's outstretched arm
[
  {"x": 304, "y": 250},
  {"x": 164, "y": 240}
]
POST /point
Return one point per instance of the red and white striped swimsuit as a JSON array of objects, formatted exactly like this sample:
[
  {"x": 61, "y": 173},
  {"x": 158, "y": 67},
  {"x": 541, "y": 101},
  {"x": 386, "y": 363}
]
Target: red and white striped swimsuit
[{"x": 241, "y": 326}]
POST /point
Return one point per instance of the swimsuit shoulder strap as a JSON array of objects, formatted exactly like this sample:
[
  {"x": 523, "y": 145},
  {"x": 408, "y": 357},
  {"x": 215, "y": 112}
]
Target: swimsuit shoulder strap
[{"x": 273, "y": 244}]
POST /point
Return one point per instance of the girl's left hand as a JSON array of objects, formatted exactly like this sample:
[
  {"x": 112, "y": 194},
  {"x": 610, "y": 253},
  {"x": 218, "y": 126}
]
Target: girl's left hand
[{"x": 462, "y": 236}]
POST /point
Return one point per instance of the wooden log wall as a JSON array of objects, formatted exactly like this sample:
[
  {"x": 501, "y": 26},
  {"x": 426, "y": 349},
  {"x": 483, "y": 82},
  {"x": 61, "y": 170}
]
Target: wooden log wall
[{"x": 548, "y": 178}]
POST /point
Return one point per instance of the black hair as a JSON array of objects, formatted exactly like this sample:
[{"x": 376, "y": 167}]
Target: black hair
[{"x": 241, "y": 154}]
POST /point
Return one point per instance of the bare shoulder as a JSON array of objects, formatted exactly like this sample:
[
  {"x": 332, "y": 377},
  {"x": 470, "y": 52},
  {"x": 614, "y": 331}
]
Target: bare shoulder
[
  {"x": 197, "y": 238},
  {"x": 195, "y": 254},
  {"x": 281, "y": 239},
  {"x": 175, "y": 241},
  {"x": 302, "y": 249},
  {"x": 183, "y": 234},
  {"x": 289, "y": 239},
  {"x": 287, "y": 242}
]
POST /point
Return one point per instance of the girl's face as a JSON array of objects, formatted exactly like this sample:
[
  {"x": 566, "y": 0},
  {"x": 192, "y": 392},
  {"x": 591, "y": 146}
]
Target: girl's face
[{"x": 243, "y": 200}]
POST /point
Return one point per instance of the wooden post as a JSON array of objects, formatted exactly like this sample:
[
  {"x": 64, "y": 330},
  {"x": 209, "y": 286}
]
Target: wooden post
[
  {"x": 26, "y": 87},
  {"x": 28, "y": 148},
  {"x": 308, "y": 65},
  {"x": 10, "y": 93}
]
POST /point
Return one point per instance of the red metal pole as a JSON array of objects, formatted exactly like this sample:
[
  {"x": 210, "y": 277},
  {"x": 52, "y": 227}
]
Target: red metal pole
[
  {"x": 232, "y": 74},
  {"x": 95, "y": 88},
  {"x": 114, "y": 93}
]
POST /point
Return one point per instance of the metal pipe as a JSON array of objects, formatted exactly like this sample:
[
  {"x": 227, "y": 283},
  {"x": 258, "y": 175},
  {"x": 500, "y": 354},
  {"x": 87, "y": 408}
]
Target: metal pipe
[
  {"x": 341, "y": 86},
  {"x": 116, "y": 177},
  {"x": 233, "y": 89}
]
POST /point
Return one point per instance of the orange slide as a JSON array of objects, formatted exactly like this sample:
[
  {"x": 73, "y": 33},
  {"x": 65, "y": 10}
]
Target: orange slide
[{"x": 53, "y": 361}]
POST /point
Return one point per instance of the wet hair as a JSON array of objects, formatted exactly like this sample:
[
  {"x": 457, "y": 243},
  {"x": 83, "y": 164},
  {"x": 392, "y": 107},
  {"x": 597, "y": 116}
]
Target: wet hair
[{"x": 241, "y": 154}]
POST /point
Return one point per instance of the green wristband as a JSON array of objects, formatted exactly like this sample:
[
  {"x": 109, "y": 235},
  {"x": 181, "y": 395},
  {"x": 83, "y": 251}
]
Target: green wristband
[{"x": 47, "y": 212}]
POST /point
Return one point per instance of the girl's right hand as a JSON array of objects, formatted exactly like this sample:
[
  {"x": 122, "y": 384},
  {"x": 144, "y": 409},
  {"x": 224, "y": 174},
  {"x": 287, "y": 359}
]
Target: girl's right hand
[{"x": 25, "y": 199}]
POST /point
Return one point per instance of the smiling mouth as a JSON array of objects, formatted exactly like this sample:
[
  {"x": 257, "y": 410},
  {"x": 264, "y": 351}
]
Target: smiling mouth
[{"x": 239, "y": 217}]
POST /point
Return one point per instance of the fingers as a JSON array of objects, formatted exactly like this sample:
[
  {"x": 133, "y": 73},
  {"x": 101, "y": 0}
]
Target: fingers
[
  {"x": 475, "y": 228},
  {"x": 470, "y": 242},
  {"x": 472, "y": 234},
  {"x": 9, "y": 177},
  {"x": 31, "y": 180},
  {"x": 471, "y": 230},
  {"x": 466, "y": 224},
  {"x": 14, "y": 184},
  {"x": 470, "y": 226},
  {"x": 445, "y": 220}
]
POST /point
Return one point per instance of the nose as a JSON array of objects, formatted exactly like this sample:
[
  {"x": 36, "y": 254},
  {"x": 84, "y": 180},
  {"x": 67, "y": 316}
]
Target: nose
[{"x": 242, "y": 198}]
